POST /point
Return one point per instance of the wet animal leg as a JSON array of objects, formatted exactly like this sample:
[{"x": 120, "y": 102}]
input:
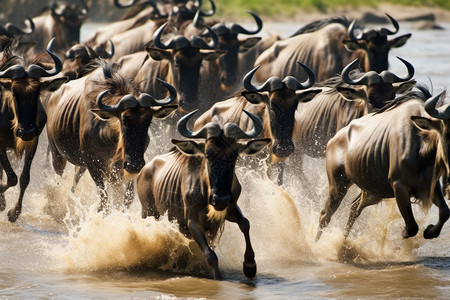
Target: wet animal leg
[
  {"x": 79, "y": 171},
  {"x": 198, "y": 232},
  {"x": 236, "y": 216},
  {"x": 362, "y": 201},
  {"x": 433, "y": 231},
  {"x": 129, "y": 194},
  {"x": 14, "y": 213},
  {"x": 402, "y": 196},
  {"x": 97, "y": 176},
  {"x": 338, "y": 186}
]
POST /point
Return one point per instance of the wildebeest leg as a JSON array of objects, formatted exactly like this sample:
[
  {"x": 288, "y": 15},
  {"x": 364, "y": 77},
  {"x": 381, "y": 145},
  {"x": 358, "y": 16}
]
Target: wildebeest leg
[
  {"x": 433, "y": 231},
  {"x": 198, "y": 232},
  {"x": 79, "y": 171},
  {"x": 129, "y": 193},
  {"x": 338, "y": 185},
  {"x": 362, "y": 200},
  {"x": 236, "y": 216},
  {"x": 402, "y": 196},
  {"x": 97, "y": 176},
  {"x": 14, "y": 213},
  {"x": 11, "y": 177},
  {"x": 58, "y": 161}
]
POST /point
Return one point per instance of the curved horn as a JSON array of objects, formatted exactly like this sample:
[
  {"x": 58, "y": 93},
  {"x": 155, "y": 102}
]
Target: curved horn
[
  {"x": 157, "y": 38},
  {"x": 196, "y": 20},
  {"x": 128, "y": 101},
  {"x": 85, "y": 8},
  {"x": 351, "y": 32},
  {"x": 126, "y": 5},
  {"x": 209, "y": 13},
  {"x": 346, "y": 78},
  {"x": 250, "y": 87},
  {"x": 442, "y": 112},
  {"x": 390, "y": 77},
  {"x": 236, "y": 28},
  {"x": 385, "y": 31},
  {"x": 146, "y": 100},
  {"x": 232, "y": 130},
  {"x": 38, "y": 71},
  {"x": 52, "y": 8},
  {"x": 201, "y": 44},
  {"x": 199, "y": 134},
  {"x": 293, "y": 84},
  {"x": 15, "y": 30},
  {"x": 111, "y": 51},
  {"x": 16, "y": 71}
]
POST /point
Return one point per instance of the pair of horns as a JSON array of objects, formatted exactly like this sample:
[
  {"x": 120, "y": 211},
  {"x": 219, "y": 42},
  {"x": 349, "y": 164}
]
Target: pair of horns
[
  {"x": 213, "y": 129},
  {"x": 274, "y": 83},
  {"x": 372, "y": 76},
  {"x": 34, "y": 71},
  {"x": 368, "y": 34},
  {"x": 144, "y": 100},
  {"x": 180, "y": 41}
]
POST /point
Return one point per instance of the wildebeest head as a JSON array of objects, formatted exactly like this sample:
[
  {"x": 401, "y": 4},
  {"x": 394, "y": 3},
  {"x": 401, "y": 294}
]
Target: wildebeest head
[
  {"x": 220, "y": 149},
  {"x": 378, "y": 87},
  {"x": 185, "y": 56},
  {"x": 375, "y": 45},
  {"x": 80, "y": 56},
  {"x": 12, "y": 33},
  {"x": 229, "y": 42},
  {"x": 68, "y": 19},
  {"x": 281, "y": 98},
  {"x": 186, "y": 11},
  {"x": 139, "y": 7},
  {"x": 22, "y": 87},
  {"x": 134, "y": 116}
]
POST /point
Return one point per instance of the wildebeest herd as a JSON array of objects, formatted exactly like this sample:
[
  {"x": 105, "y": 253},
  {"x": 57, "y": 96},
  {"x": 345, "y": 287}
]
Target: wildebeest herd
[{"x": 324, "y": 92}]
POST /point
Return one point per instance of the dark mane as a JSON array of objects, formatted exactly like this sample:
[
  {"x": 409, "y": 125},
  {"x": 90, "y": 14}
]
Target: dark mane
[
  {"x": 422, "y": 93},
  {"x": 112, "y": 81},
  {"x": 316, "y": 25}
]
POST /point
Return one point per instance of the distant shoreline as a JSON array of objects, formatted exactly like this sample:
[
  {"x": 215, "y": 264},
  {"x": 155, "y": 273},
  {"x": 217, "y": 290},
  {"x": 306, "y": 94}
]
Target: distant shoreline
[{"x": 399, "y": 12}]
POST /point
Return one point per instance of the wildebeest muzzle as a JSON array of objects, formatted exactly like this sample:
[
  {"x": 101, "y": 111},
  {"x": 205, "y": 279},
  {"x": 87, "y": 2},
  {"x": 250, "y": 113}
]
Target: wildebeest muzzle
[
  {"x": 220, "y": 202},
  {"x": 283, "y": 148},
  {"x": 27, "y": 134}
]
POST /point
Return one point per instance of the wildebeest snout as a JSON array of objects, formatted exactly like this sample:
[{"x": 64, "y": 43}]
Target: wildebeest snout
[
  {"x": 283, "y": 148},
  {"x": 220, "y": 202},
  {"x": 27, "y": 134},
  {"x": 133, "y": 165}
]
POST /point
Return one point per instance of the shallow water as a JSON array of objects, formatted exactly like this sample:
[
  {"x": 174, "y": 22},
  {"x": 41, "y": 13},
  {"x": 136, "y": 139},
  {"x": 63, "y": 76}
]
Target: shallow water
[{"x": 61, "y": 248}]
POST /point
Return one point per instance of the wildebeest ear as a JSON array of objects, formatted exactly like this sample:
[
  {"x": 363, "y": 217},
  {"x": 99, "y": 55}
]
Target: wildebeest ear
[
  {"x": 190, "y": 147},
  {"x": 246, "y": 44},
  {"x": 253, "y": 146},
  {"x": 105, "y": 115},
  {"x": 53, "y": 85},
  {"x": 352, "y": 94},
  {"x": 352, "y": 45},
  {"x": 426, "y": 123},
  {"x": 212, "y": 54},
  {"x": 404, "y": 87},
  {"x": 158, "y": 54},
  {"x": 400, "y": 41},
  {"x": 306, "y": 96},
  {"x": 255, "y": 97},
  {"x": 164, "y": 111}
]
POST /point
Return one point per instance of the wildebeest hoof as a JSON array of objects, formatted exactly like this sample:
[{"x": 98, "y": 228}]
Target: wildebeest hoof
[
  {"x": 13, "y": 215},
  {"x": 407, "y": 233},
  {"x": 250, "y": 269},
  {"x": 431, "y": 232}
]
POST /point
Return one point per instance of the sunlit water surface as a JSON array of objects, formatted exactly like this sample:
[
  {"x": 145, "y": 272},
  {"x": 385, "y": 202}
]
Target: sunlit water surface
[{"x": 61, "y": 248}]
